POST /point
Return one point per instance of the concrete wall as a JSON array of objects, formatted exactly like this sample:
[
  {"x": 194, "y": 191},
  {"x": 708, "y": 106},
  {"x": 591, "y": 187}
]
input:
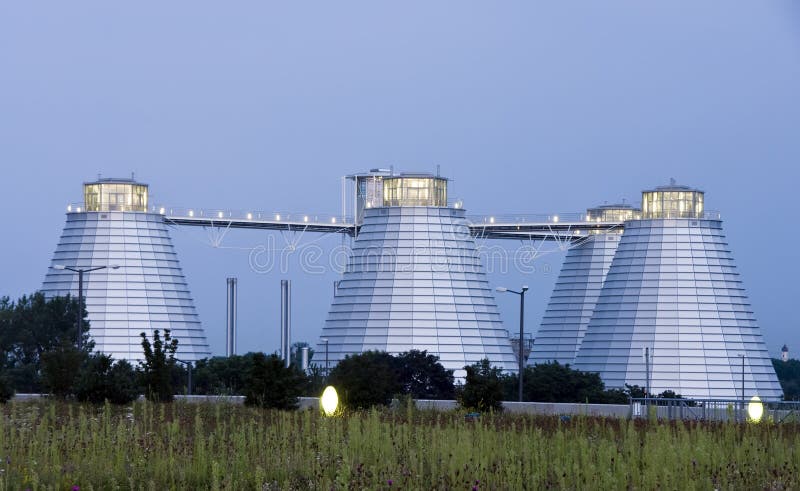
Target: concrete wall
[{"x": 545, "y": 408}]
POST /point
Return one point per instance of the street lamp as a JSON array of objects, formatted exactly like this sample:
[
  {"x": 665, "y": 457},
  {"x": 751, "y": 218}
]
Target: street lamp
[
  {"x": 742, "y": 355},
  {"x": 188, "y": 366},
  {"x": 521, "y": 329},
  {"x": 325, "y": 340},
  {"x": 80, "y": 271}
]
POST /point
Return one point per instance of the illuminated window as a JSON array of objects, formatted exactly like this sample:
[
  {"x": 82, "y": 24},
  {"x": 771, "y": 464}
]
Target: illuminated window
[
  {"x": 672, "y": 202},
  {"x": 115, "y": 195},
  {"x": 612, "y": 213},
  {"x": 414, "y": 191}
]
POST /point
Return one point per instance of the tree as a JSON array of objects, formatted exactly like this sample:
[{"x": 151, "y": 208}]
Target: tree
[
  {"x": 60, "y": 369},
  {"x": 365, "y": 380},
  {"x": 554, "y": 382},
  {"x": 483, "y": 388},
  {"x": 32, "y": 326},
  {"x": 6, "y": 388},
  {"x": 316, "y": 381},
  {"x": 613, "y": 396},
  {"x": 273, "y": 385},
  {"x": 423, "y": 377},
  {"x": 223, "y": 375},
  {"x": 635, "y": 392},
  {"x": 158, "y": 366},
  {"x": 788, "y": 373},
  {"x": 100, "y": 380}
]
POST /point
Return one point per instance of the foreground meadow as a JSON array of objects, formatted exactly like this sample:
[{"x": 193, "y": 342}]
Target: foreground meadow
[{"x": 52, "y": 445}]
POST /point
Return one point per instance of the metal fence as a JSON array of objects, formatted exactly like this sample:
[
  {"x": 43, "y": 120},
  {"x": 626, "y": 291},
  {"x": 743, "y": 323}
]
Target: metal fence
[{"x": 734, "y": 410}]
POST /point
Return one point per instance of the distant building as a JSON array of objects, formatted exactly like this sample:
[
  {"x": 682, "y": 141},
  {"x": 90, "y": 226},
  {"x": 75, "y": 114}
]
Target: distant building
[
  {"x": 414, "y": 280},
  {"x": 578, "y": 287},
  {"x": 148, "y": 291},
  {"x": 673, "y": 287},
  {"x": 785, "y": 353}
]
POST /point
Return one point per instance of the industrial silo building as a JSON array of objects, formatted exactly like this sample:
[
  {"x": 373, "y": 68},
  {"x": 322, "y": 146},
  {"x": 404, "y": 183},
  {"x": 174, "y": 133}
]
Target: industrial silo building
[
  {"x": 673, "y": 290},
  {"x": 136, "y": 283},
  {"x": 414, "y": 280},
  {"x": 578, "y": 286}
]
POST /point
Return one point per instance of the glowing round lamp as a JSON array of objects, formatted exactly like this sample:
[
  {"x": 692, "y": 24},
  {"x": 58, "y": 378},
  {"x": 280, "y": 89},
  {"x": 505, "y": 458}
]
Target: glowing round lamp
[
  {"x": 329, "y": 401},
  {"x": 755, "y": 409}
]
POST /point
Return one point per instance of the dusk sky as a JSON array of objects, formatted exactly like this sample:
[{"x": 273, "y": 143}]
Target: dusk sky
[{"x": 530, "y": 107}]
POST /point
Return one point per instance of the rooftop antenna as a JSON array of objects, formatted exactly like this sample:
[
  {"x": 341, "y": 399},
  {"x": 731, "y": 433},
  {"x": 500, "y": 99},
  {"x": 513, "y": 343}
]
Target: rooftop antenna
[
  {"x": 99, "y": 176},
  {"x": 437, "y": 170},
  {"x": 671, "y": 181},
  {"x": 133, "y": 176},
  {"x": 391, "y": 170}
]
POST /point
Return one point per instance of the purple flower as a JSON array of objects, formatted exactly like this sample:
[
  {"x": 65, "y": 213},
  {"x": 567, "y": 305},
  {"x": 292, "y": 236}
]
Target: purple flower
[
  {"x": 389, "y": 482},
  {"x": 76, "y": 488},
  {"x": 474, "y": 488}
]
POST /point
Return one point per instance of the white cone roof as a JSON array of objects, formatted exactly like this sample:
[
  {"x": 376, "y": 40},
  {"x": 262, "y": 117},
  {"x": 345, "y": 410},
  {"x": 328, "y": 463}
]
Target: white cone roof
[
  {"x": 414, "y": 281},
  {"x": 673, "y": 287},
  {"x": 148, "y": 292}
]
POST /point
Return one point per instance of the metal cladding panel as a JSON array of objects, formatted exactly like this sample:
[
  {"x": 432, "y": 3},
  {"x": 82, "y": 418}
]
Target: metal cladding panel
[
  {"x": 148, "y": 292},
  {"x": 414, "y": 281},
  {"x": 573, "y": 300},
  {"x": 673, "y": 287}
]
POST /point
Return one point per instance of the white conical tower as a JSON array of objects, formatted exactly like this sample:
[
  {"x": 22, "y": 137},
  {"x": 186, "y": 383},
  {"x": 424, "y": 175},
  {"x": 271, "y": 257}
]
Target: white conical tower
[
  {"x": 148, "y": 291},
  {"x": 577, "y": 288},
  {"x": 673, "y": 288},
  {"x": 414, "y": 281}
]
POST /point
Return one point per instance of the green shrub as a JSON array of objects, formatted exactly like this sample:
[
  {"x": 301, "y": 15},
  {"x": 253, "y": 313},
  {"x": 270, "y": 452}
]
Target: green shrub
[
  {"x": 273, "y": 385},
  {"x": 100, "y": 380},
  {"x": 423, "y": 377},
  {"x": 6, "y": 388},
  {"x": 788, "y": 373},
  {"x": 158, "y": 366},
  {"x": 483, "y": 388},
  {"x": 60, "y": 369},
  {"x": 33, "y": 326},
  {"x": 554, "y": 382},
  {"x": 367, "y": 379},
  {"x": 222, "y": 375}
]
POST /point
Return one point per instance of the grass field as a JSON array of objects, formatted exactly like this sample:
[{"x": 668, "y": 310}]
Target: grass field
[{"x": 52, "y": 445}]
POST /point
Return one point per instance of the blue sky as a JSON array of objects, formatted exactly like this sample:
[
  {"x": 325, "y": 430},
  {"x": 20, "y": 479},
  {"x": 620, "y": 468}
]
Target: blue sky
[{"x": 531, "y": 107}]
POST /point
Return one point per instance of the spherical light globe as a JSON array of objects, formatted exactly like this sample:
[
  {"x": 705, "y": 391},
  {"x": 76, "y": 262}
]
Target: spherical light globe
[
  {"x": 329, "y": 401},
  {"x": 755, "y": 409}
]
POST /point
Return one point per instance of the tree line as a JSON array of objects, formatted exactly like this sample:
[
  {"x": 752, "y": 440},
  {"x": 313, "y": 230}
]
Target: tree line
[{"x": 40, "y": 353}]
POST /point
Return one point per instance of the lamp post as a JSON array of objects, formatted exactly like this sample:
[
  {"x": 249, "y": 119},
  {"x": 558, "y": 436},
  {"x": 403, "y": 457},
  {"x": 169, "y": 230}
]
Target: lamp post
[
  {"x": 188, "y": 366},
  {"x": 325, "y": 340},
  {"x": 81, "y": 271},
  {"x": 521, "y": 294},
  {"x": 743, "y": 399}
]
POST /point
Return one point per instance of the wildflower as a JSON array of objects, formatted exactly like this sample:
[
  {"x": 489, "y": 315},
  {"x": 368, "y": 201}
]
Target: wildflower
[
  {"x": 76, "y": 488},
  {"x": 389, "y": 482},
  {"x": 474, "y": 488}
]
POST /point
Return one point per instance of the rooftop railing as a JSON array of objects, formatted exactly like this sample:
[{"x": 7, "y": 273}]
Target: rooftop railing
[
  {"x": 563, "y": 219},
  {"x": 238, "y": 215},
  {"x": 556, "y": 218}
]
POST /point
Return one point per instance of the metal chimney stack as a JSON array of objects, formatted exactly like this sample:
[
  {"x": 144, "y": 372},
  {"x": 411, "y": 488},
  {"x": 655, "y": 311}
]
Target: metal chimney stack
[
  {"x": 230, "y": 338},
  {"x": 304, "y": 358},
  {"x": 286, "y": 321}
]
